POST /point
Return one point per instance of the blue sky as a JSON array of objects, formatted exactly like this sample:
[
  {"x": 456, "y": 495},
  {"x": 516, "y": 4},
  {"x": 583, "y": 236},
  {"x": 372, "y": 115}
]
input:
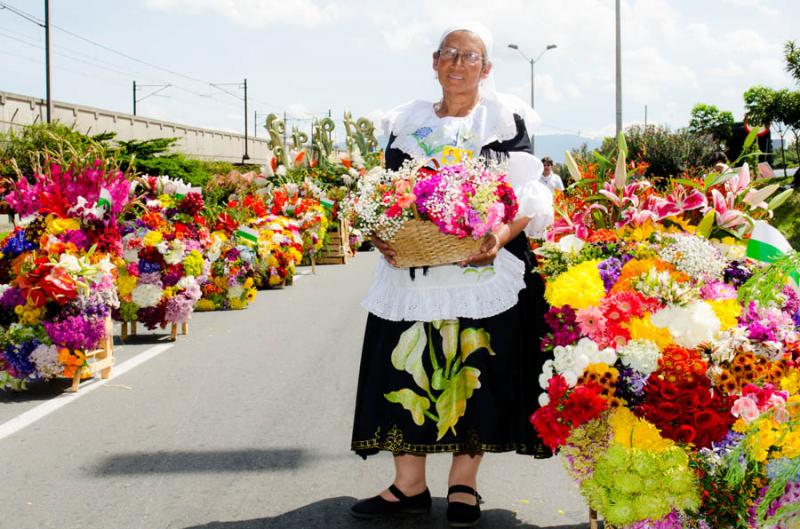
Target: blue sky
[{"x": 308, "y": 56}]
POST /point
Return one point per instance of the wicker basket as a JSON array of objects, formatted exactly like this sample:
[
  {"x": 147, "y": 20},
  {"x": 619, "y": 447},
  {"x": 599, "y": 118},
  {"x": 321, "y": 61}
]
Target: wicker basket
[{"x": 420, "y": 243}]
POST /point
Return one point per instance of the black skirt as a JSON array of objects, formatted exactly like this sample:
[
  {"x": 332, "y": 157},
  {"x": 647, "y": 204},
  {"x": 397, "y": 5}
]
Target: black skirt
[{"x": 463, "y": 386}]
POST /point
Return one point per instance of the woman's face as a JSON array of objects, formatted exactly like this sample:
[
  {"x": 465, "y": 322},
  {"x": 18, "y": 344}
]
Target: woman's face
[{"x": 456, "y": 75}]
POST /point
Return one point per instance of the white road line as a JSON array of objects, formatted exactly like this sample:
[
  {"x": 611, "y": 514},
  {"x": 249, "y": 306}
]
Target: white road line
[{"x": 23, "y": 420}]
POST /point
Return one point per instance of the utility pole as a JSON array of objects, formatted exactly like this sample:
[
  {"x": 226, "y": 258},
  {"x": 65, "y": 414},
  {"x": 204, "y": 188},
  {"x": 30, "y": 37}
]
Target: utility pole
[
  {"x": 285, "y": 126},
  {"x": 645, "y": 116},
  {"x": 219, "y": 86},
  {"x": 47, "y": 60},
  {"x": 246, "y": 156},
  {"x": 619, "y": 68},
  {"x": 138, "y": 87},
  {"x": 255, "y": 123}
]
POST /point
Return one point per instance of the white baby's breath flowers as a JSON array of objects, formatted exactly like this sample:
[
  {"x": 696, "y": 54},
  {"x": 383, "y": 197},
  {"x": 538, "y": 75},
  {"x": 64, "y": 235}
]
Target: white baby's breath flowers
[{"x": 695, "y": 256}]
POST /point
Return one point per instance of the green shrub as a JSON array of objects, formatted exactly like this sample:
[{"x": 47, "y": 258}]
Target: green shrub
[
  {"x": 23, "y": 147},
  {"x": 669, "y": 154}
]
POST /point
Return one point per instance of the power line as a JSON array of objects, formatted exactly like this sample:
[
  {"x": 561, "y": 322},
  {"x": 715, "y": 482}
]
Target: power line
[{"x": 23, "y": 14}]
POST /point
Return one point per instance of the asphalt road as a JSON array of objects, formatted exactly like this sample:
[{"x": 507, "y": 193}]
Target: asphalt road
[{"x": 243, "y": 424}]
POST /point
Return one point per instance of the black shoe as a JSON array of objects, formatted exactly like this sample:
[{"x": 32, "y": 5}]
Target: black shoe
[
  {"x": 377, "y": 506},
  {"x": 462, "y": 514}
]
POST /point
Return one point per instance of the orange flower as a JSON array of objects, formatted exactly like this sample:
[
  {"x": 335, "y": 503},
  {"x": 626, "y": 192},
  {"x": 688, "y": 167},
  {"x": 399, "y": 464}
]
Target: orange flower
[{"x": 633, "y": 269}]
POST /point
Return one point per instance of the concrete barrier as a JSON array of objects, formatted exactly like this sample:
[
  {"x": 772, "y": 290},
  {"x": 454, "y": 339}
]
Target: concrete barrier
[{"x": 17, "y": 111}]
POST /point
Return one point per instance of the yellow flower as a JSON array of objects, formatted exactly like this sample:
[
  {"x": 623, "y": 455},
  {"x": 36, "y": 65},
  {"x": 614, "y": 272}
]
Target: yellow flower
[
  {"x": 204, "y": 304},
  {"x": 248, "y": 283},
  {"x": 218, "y": 236},
  {"x": 579, "y": 287},
  {"x": 238, "y": 304},
  {"x": 29, "y": 314},
  {"x": 251, "y": 295},
  {"x": 791, "y": 382},
  {"x": 639, "y": 233},
  {"x": 125, "y": 285},
  {"x": 152, "y": 238},
  {"x": 57, "y": 226},
  {"x": 740, "y": 426},
  {"x": 633, "y": 432},
  {"x": 167, "y": 201},
  {"x": 643, "y": 329},
  {"x": 727, "y": 311}
]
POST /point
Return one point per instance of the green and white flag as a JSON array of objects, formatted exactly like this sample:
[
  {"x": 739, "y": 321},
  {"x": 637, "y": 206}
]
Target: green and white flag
[
  {"x": 105, "y": 199},
  {"x": 767, "y": 245},
  {"x": 326, "y": 203},
  {"x": 248, "y": 234}
]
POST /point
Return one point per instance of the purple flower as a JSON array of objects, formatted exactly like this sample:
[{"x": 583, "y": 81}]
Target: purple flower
[
  {"x": 11, "y": 298},
  {"x": 610, "y": 270},
  {"x": 76, "y": 237},
  {"x": 737, "y": 273},
  {"x": 76, "y": 332},
  {"x": 18, "y": 359}
]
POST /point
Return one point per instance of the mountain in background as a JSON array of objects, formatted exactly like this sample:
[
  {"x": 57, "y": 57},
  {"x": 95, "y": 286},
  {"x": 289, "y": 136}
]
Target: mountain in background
[{"x": 555, "y": 145}]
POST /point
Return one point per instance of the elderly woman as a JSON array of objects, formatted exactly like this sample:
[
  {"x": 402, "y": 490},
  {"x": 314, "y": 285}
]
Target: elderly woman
[{"x": 451, "y": 353}]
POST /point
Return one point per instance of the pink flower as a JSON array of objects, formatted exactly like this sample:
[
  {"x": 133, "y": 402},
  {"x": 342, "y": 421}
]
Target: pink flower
[{"x": 746, "y": 408}]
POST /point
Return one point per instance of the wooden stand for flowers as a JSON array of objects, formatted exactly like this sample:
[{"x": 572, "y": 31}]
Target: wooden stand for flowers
[
  {"x": 174, "y": 332},
  {"x": 99, "y": 360},
  {"x": 337, "y": 246},
  {"x": 124, "y": 330}
]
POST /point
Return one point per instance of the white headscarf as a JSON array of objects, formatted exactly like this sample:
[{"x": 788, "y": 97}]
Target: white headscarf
[{"x": 488, "y": 88}]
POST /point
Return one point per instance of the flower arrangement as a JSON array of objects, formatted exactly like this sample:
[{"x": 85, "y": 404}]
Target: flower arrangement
[
  {"x": 230, "y": 283},
  {"x": 468, "y": 199},
  {"x": 670, "y": 368},
  {"x": 280, "y": 249},
  {"x": 57, "y": 279},
  {"x": 302, "y": 204},
  {"x": 158, "y": 279}
]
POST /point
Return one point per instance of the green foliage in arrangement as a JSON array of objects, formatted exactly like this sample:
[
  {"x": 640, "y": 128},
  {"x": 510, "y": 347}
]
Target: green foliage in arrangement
[
  {"x": 668, "y": 154},
  {"x": 22, "y": 148},
  {"x": 25, "y": 147}
]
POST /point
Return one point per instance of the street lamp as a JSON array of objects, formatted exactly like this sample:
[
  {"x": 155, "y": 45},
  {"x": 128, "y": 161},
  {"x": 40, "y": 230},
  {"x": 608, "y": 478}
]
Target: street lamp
[{"x": 532, "y": 63}]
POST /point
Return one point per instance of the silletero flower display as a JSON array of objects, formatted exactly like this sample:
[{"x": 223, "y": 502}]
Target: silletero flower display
[
  {"x": 280, "y": 249},
  {"x": 164, "y": 244},
  {"x": 301, "y": 203},
  {"x": 672, "y": 390},
  {"x": 230, "y": 283},
  {"x": 57, "y": 279}
]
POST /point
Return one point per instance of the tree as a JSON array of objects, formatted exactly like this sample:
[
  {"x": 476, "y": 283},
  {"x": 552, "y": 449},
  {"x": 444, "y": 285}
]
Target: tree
[
  {"x": 708, "y": 119},
  {"x": 792, "y": 55}
]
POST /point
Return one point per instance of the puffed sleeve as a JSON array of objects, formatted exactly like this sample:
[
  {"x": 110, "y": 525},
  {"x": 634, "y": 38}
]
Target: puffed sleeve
[{"x": 534, "y": 198}]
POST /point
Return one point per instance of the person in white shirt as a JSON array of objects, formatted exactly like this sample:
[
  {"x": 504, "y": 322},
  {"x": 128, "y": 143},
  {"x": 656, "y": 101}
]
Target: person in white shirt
[{"x": 549, "y": 178}]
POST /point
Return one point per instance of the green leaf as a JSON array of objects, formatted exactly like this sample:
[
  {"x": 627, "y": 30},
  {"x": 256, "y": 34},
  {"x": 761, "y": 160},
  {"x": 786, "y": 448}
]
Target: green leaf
[
  {"x": 473, "y": 339},
  {"x": 713, "y": 179},
  {"x": 690, "y": 183},
  {"x": 407, "y": 354},
  {"x": 449, "y": 331},
  {"x": 600, "y": 158},
  {"x": 779, "y": 199},
  {"x": 416, "y": 404},
  {"x": 707, "y": 224},
  {"x": 751, "y": 138},
  {"x": 452, "y": 403}
]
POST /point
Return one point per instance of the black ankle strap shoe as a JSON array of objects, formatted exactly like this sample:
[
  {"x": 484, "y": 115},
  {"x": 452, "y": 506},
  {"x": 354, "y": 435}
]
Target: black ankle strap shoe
[
  {"x": 463, "y": 514},
  {"x": 407, "y": 505}
]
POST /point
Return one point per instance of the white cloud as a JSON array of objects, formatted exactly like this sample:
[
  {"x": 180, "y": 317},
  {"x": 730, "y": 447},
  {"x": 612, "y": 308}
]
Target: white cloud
[{"x": 256, "y": 14}]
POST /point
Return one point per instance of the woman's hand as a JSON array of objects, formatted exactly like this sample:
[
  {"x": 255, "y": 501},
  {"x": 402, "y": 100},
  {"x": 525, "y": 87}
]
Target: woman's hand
[
  {"x": 387, "y": 251},
  {"x": 489, "y": 248}
]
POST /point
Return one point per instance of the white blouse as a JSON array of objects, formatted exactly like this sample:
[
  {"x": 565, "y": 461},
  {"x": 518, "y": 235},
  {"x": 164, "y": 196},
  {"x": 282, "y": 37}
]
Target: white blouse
[{"x": 450, "y": 291}]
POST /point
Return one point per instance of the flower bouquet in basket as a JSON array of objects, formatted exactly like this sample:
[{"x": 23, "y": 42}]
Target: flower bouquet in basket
[{"x": 432, "y": 217}]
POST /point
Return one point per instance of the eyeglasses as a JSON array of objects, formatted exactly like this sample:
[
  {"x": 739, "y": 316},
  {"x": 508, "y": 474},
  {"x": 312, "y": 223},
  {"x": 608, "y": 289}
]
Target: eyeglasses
[{"x": 452, "y": 54}]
